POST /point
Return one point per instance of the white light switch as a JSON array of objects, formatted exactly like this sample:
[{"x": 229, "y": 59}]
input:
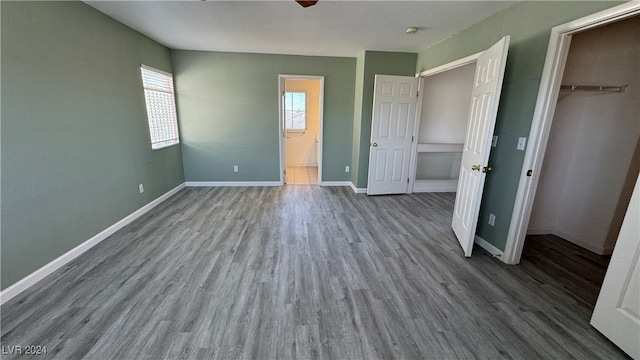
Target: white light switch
[{"x": 522, "y": 141}]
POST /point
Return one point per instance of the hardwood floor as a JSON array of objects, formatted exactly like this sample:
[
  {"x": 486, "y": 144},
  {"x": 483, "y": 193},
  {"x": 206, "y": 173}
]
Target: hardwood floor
[
  {"x": 298, "y": 272},
  {"x": 579, "y": 271}
]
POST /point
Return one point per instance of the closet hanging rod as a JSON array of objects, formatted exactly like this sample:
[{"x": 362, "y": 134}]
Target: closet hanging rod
[{"x": 608, "y": 88}]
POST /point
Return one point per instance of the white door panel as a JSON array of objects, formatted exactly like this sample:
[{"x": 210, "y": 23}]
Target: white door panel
[
  {"x": 485, "y": 97},
  {"x": 394, "y": 113},
  {"x": 617, "y": 311}
]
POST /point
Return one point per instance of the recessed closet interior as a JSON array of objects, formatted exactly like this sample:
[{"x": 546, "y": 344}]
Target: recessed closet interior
[
  {"x": 592, "y": 157},
  {"x": 444, "y": 112}
]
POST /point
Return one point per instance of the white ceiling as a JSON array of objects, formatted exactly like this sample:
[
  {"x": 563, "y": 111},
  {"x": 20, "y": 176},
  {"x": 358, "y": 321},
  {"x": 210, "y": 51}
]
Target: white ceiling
[{"x": 330, "y": 28}]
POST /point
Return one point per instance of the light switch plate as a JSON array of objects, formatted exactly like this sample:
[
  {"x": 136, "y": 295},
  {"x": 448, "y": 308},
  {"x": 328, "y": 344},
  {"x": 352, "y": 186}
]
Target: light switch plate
[
  {"x": 522, "y": 141},
  {"x": 494, "y": 141}
]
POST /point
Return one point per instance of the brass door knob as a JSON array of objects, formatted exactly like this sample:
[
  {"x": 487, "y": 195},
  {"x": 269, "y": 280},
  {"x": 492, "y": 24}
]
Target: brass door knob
[
  {"x": 475, "y": 167},
  {"x": 487, "y": 169},
  {"x": 374, "y": 144}
]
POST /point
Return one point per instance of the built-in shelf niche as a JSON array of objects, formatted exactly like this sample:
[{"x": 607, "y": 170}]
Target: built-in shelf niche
[{"x": 443, "y": 122}]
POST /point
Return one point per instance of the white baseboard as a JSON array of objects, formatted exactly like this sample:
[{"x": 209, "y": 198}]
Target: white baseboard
[
  {"x": 357, "y": 190},
  {"x": 23, "y": 284},
  {"x": 489, "y": 247},
  {"x": 420, "y": 186},
  {"x": 600, "y": 250},
  {"x": 540, "y": 231},
  {"x": 231, "y": 183},
  {"x": 335, "y": 183}
]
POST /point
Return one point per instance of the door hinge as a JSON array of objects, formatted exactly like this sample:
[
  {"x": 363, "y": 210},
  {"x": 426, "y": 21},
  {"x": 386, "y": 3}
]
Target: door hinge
[
  {"x": 529, "y": 172},
  {"x": 411, "y": 138},
  {"x": 407, "y": 180},
  {"x": 417, "y": 93}
]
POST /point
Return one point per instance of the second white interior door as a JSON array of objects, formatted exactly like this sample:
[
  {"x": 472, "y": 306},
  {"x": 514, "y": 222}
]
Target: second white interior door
[{"x": 392, "y": 126}]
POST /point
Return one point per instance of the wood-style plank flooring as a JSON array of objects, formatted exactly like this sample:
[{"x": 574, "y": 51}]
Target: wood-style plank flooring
[
  {"x": 298, "y": 272},
  {"x": 579, "y": 271}
]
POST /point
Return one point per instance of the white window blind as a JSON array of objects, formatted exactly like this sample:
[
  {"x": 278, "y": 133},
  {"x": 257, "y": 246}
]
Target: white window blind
[
  {"x": 295, "y": 111},
  {"x": 161, "y": 107}
]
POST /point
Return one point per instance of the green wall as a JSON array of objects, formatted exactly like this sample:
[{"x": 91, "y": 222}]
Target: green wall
[
  {"x": 372, "y": 63},
  {"x": 529, "y": 23},
  {"x": 75, "y": 142},
  {"x": 228, "y": 110}
]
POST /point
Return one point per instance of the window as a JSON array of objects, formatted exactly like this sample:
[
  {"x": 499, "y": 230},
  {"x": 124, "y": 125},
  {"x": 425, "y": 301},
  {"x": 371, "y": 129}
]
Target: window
[
  {"x": 295, "y": 111},
  {"x": 161, "y": 107}
]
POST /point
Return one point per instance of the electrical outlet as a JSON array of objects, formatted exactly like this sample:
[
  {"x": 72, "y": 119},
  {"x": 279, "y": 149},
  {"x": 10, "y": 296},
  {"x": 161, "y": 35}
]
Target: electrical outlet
[
  {"x": 492, "y": 219},
  {"x": 347, "y": 168},
  {"x": 494, "y": 141},
  {"x": 522, "y": 141},
  {"x": 141, "y": 188},
  {"x": 235, "y": 168}
]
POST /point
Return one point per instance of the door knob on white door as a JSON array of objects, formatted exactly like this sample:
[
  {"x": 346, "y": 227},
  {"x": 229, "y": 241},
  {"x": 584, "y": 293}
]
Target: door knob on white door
[
  {"x": 475, "y": 167},
  {"x": 374, "y": 144}
]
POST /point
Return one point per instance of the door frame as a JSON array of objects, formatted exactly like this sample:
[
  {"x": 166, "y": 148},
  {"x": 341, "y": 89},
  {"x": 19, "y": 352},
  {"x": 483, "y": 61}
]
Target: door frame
[
  {"x": 283, "y": 160},
  {"x": 421, "y": 78},
  {"x": 548, "y": 92}
]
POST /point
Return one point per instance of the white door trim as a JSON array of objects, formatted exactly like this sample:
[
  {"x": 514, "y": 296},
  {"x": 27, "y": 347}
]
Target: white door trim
[
  {"x": 450, "y": 65},
  {"x": 283, "y": 160},
  {"x": 555, "y": 61}
]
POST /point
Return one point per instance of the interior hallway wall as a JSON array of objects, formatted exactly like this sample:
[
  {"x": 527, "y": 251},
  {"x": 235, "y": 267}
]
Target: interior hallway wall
[
  {"x": 302, "y": 147},
  {"x": 593, "y": 139}
]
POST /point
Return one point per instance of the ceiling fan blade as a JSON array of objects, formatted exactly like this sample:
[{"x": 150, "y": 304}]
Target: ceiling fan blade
[{"x": 305, "y": 4}]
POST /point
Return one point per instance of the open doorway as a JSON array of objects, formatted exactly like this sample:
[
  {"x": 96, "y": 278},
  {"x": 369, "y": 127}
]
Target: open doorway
[
  {"x": 301, "y": 122},
  {"x": 592, "y": 159},
  {"x": 591, "y": 162}
]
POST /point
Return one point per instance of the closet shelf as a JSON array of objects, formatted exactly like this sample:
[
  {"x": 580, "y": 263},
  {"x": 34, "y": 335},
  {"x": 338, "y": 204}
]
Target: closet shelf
[
  {"x": 607, "y": 88},
  {"x": 437, "y": 147}
]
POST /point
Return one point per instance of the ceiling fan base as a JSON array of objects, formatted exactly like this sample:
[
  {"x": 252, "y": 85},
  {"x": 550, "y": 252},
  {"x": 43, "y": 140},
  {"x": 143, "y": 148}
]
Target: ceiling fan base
[{"x": 306, "y": 3}]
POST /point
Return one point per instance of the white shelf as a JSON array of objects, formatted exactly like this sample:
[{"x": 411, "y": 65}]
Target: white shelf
[
  {"x": 439, "y": 147},
  {"x": 435, "y": 186}
]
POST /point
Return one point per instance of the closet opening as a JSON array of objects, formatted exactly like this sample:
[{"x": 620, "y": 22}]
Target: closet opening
[
  {"x": 444, "y": 114},
  {"x": 592, "y": 159}
]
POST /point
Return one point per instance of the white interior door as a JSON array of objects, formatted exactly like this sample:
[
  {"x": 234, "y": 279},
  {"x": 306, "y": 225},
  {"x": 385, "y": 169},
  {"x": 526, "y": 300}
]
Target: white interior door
[
  {"x": 617, "y": 311},
  {"x": 394, "y": 116},
  {"x": 485, "y": 97}
]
